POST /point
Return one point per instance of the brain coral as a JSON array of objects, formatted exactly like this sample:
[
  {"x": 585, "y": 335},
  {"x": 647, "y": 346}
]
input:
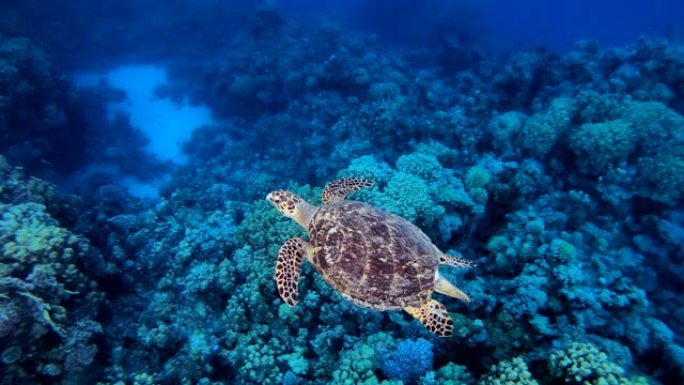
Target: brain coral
[
  {"x": 41, "y": 285},
  {"x": 661, "y": 177},
  {"x": 513, "y": 372},
  {"x": 582, "y": 363},
  {"x": 542, "y": 130},
  {"x": 600, "y": 146},
  {"x": 657, "y": 126}
]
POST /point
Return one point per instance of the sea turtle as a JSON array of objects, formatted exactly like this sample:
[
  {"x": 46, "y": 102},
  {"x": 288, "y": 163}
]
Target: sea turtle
[{"x": 371, "y": 257}]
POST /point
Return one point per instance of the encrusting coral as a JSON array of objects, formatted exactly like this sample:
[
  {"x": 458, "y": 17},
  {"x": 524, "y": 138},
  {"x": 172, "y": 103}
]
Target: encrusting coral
[{"x": 560, "y": 174}]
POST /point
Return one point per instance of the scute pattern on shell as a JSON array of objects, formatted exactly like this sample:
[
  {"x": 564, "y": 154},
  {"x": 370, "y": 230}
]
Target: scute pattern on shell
[{"x": 373, "y": 258}]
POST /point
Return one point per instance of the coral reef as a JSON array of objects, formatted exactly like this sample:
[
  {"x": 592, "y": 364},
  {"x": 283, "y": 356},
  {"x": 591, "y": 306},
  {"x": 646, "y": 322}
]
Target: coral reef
[
  {"x": 583, "y": 363},
  {"x": 561, "y": 175},
  {"x": 48, "y": 295}
]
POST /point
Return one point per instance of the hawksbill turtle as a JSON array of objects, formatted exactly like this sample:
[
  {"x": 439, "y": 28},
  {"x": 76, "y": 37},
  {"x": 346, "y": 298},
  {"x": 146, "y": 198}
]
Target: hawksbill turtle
[{"x": 371, "y": 257}]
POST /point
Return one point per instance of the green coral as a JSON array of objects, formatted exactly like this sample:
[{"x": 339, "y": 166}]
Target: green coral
[
  {"x": 660, "y": 134},
  {"x": 583, "y": 363},
  {"x": 649, "y": 132},
  {"x": 479, "y": 195},
  {"x": 424, "y": 166},
  {"x": 250, "y": 310},
  {"x": 38, "y": 259},
  {"x": 601, "y": 146},
  {"x": 265, "y": 227},
  {"x": 542, "y": 130},
  {"x": 513, "y": 372},
  {"x": 657, "y": 126},
  {"x": 594, "y": 107},
  {"x": 497, "y": 243},
  {"x": 11, "y": 355},
  {"x": 409, "y": 196},
  {"x": 453, "y": 374},
  {"x": 438, "y": 150},
  {"x": 421, "y": 191},
  {"x": 561, "y": 251},
  {"x": 30, "y": 236},
  {"x": 43, "y": 293},
  {"x": 504, "y": 128},
  {"x": 358, "y": 360},
  {"x": 507, "y": 333},
  {"x": 368, "y": 167},
  {"x": 535, "y": 227},
  {"x": 477, "y": 177},
  {"x": 143, "y": 379},
  {"x": 476, "y": 180},
  {"x": 661, "y": 177},
  {"x": 15, "y": 187},
  {"x": 257, "y": 360}
]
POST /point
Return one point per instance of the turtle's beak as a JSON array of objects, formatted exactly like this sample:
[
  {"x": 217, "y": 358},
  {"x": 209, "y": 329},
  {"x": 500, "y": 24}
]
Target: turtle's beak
[{"x": 273, "y": 197}]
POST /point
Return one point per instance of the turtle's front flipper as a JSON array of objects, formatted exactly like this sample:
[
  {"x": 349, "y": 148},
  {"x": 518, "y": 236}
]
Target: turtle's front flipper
[
  {"x": 288, "y": 265},
  {"x": 338, "y": 190},
  {"x": 434, "y": 316}
]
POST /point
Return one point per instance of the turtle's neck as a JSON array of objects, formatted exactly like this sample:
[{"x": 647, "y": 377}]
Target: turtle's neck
[{"x": 304, "y": 214}]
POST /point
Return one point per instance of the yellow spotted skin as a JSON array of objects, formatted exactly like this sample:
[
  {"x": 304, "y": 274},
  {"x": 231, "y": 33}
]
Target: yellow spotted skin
[
  {"x": 434, "y": 316},
  {"x": 373, "y": 258},
  {"x": 287, "y": 270},
  {"x": 284, "y": 200}
]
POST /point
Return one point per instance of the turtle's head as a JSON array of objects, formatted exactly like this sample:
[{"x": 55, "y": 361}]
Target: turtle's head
[
  {"x": 292, "y": 206},
  {"x": 285, "y": 201}
]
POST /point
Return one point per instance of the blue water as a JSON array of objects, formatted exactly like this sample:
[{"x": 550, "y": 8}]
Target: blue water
[{"x": 538, "y": 145}]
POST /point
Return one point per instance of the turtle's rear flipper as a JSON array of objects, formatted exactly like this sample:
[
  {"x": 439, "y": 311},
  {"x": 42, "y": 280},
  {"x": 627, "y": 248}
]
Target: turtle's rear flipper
[
  {"x": 434, "y": 316},
  {"x": 443, "y": 286},
  {"x": 288, "y": 265},
  {"x": 456, "y": 261},
  {"x": 338, "y": 190}
]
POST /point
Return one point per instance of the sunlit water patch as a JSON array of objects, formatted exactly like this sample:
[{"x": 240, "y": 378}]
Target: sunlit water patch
[{"x": 165, "y": 123}]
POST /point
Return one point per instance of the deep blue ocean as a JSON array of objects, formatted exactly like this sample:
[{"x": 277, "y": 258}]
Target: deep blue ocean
[{"x": 386, "y": 192}]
